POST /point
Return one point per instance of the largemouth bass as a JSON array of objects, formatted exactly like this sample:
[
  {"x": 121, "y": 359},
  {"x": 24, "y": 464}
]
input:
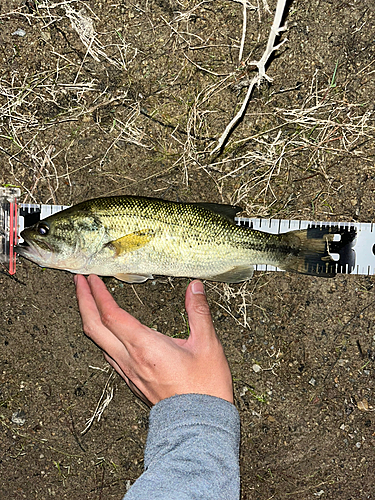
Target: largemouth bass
[{"x": 133, "y": 238}]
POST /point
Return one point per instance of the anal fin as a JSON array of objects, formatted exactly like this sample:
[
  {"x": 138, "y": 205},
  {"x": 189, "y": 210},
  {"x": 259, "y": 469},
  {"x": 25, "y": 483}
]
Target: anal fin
[
  {"x": 234, "y": 275},
  {"x": 133, "y": 278}
]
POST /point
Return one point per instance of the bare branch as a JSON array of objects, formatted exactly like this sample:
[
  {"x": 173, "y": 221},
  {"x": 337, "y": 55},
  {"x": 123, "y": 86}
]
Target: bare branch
[{"x": 276, "y": 29}]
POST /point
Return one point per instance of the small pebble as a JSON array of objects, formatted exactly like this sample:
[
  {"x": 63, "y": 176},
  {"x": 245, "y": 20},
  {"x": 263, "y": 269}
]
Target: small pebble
[
  {"x": 312, "y": 381},
  {"x": 257, "y": 368},
  {"x": 19, "y": 32},
  {"x": 18, "y": 417},
  {"x": 244, "y": 391}
]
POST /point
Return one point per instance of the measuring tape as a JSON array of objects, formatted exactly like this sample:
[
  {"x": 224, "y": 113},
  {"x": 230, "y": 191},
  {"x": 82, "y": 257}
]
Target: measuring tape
[
  {"x": 353, "y": 246},
  {"x": 14, "y": 217}
]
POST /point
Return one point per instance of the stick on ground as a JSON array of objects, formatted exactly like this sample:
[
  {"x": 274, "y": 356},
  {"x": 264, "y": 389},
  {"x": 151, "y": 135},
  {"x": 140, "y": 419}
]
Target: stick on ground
[{"x": 276, "y": 29}]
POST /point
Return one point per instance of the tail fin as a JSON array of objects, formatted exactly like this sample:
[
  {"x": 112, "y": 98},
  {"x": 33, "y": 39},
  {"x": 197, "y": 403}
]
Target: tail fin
[{"x": 310, "y": 252}]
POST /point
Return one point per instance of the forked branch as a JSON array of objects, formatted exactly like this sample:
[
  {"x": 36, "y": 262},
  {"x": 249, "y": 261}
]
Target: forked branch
[{"x": 276, "y": 29}]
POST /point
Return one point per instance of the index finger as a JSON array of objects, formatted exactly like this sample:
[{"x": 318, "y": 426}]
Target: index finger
[
  {"x": 91, "y": 321},
  {"x": 119, "y": 322}
]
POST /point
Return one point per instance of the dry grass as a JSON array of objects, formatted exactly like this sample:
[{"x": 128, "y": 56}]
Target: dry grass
[
  {"x": 187, "y": 122},
  {"x": 104, "y": 399},
  {"x": 324, "y": 127},
  {"x": 34, "y": 105}
]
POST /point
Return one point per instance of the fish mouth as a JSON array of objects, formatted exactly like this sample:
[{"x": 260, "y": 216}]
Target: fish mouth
[
  {"x": 43, "y": 254},
  {"x": 34, "y": 251},
  {"x": 23, "y": 248}
]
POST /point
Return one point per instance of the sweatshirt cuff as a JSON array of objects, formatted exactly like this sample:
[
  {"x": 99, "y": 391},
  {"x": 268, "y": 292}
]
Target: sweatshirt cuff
[
  {"x": 194, "y": 409},
  {"x": 187, "y": 410}
]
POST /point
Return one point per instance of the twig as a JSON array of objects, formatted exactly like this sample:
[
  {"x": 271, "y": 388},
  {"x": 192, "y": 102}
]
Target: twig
[
  {"x": 261, "y": 65},
  {"x": 243, "y": 31},
  {"x": 245, "y": 5},
  {"x": 102, "y": 403},
  {"x": 205, "y": 69}
]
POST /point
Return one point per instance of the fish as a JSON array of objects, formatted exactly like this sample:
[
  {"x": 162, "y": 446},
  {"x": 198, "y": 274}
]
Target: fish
[{"x": 134, "y": 238}]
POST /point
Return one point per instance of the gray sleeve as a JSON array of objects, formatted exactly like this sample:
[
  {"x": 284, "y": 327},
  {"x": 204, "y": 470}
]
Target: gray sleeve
[{"x": 192, "y": 451}]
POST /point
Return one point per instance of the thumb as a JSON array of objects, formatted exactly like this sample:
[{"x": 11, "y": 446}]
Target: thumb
[{"x": 198, "y": 312}]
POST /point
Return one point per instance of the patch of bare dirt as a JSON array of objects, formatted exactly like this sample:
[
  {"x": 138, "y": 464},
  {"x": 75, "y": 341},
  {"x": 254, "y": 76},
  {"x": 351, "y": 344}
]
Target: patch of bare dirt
[{"x": 100, "y": 98}]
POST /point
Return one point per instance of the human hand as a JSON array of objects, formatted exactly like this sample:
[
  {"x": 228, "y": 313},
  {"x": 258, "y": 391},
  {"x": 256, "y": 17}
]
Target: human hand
[{"x": 156, "y": 366}]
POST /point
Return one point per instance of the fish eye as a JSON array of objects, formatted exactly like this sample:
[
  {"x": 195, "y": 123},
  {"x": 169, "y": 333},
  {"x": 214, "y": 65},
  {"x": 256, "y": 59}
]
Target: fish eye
[{"x": 43, "y": 229}]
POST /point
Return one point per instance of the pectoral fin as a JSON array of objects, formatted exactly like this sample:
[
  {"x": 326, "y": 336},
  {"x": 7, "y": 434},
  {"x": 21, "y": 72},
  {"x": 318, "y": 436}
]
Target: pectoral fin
[
  {"x": 234, "y": 275},
  {"x": 132, "y": 241},
  {"x": 133, "y": 278}
]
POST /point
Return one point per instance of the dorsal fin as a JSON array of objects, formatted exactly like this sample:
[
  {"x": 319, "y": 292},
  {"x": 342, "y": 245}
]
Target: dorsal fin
[{"x": 227, "y": 211}]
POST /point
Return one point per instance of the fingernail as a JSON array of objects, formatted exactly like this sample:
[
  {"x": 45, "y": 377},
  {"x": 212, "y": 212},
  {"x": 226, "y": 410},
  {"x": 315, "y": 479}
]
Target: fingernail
[
  {"x": 75, "y": 277},
  {"x": 197, "y": 287}
]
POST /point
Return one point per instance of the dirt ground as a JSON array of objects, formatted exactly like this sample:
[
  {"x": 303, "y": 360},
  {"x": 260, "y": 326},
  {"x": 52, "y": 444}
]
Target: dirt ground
[{"x": 123, "y": 97}]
